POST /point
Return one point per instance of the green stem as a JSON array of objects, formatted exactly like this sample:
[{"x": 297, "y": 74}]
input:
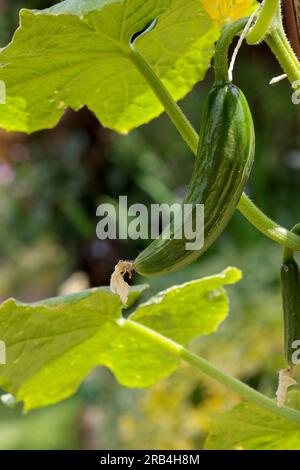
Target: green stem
[
  {"x": 178, "y": 118},
  {"x": 280, "y": 46},
  {"x": 263, "y": 23},
  {"x": 222, "y": 48},
  {"x": 210, "y": 370},
  {"x": 269, "y": 27},
  {"x": 267, "y": 226}
]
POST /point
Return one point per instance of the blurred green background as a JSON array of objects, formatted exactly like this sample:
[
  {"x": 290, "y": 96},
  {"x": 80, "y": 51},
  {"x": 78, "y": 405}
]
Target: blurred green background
[{"x": 50, "y": 186}]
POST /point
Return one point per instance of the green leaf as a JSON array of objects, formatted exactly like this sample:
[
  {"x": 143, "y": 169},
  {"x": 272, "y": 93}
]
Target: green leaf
[
  {"x": 77, "y": 53},
  {"x": 52, "y": 345},
  {"x": 184, "y": 312},
  {"x": 180, "y": 313},
  {"x": 248, "y": 427}
]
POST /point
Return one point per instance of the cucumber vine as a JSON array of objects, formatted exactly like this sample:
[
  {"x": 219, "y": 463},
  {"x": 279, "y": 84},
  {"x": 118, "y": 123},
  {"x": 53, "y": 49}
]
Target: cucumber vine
[
  {"x": 214, "y": 372},
  {"x": 278, "y": 42}
]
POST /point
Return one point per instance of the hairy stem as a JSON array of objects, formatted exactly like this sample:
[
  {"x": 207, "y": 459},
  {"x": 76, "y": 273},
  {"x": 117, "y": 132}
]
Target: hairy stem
[
  {"x": 263, "y": 23},
  {"x": 269, "y": 27},
  {"x": 280, "y": 46},
  {"x": 212, "y": 371}
]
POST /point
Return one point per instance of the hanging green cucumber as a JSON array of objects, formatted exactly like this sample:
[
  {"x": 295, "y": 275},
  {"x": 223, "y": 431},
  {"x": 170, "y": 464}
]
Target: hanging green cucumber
[
  {"x": 290, "y": 283},
  {"x": 222, "y": 167},
  {"x": 290, "y": 289}
]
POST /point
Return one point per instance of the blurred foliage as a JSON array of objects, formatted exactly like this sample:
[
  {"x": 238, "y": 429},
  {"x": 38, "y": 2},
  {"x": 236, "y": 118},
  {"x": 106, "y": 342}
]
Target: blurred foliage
[
  {"x": 51, "y": 428},
  {"x": 51, "y": 184}
]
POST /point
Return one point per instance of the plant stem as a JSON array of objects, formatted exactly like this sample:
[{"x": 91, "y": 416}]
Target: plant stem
[
  {"x": 267, "y": 226},
  {"x": 178, "y": 118},
  {"x": 280, "y": 46},
  {"x": 269, "y": 27},
  {"x": 263, "y": 22},
  {"x": 252, "y": 213},
  {"x": 222, "y": 48},
  {"x": 210, "y": 370}
]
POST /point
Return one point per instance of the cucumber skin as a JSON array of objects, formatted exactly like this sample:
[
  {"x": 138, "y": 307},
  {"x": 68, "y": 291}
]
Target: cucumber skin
[
  {"x": 222, "y": 168},
  {"x": 290, "y": 282}
]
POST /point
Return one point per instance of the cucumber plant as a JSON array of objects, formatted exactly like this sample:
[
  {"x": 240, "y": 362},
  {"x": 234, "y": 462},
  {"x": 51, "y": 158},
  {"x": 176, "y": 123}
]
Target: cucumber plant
[
  {"x": 109, "y": 47},
  {"x": 223, "y": 165}
]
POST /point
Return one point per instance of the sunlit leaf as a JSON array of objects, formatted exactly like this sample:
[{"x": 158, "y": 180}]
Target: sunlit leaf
[
  {"x": 78, "y": 53},
  {"x": 52, "y": 345}
]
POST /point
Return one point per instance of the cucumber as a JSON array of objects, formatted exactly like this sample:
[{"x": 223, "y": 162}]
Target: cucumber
[
  {"x": 291, "y": 307},
  {"x": 222, "y": 167},
  {"x": 290, "y": 287},
  {"x": 223, "y": 164}
]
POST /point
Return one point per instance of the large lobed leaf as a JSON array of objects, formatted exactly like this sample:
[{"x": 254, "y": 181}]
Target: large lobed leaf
[
  {"x": 76, "y": 53},
  {"x": 52, "y": 345}
]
